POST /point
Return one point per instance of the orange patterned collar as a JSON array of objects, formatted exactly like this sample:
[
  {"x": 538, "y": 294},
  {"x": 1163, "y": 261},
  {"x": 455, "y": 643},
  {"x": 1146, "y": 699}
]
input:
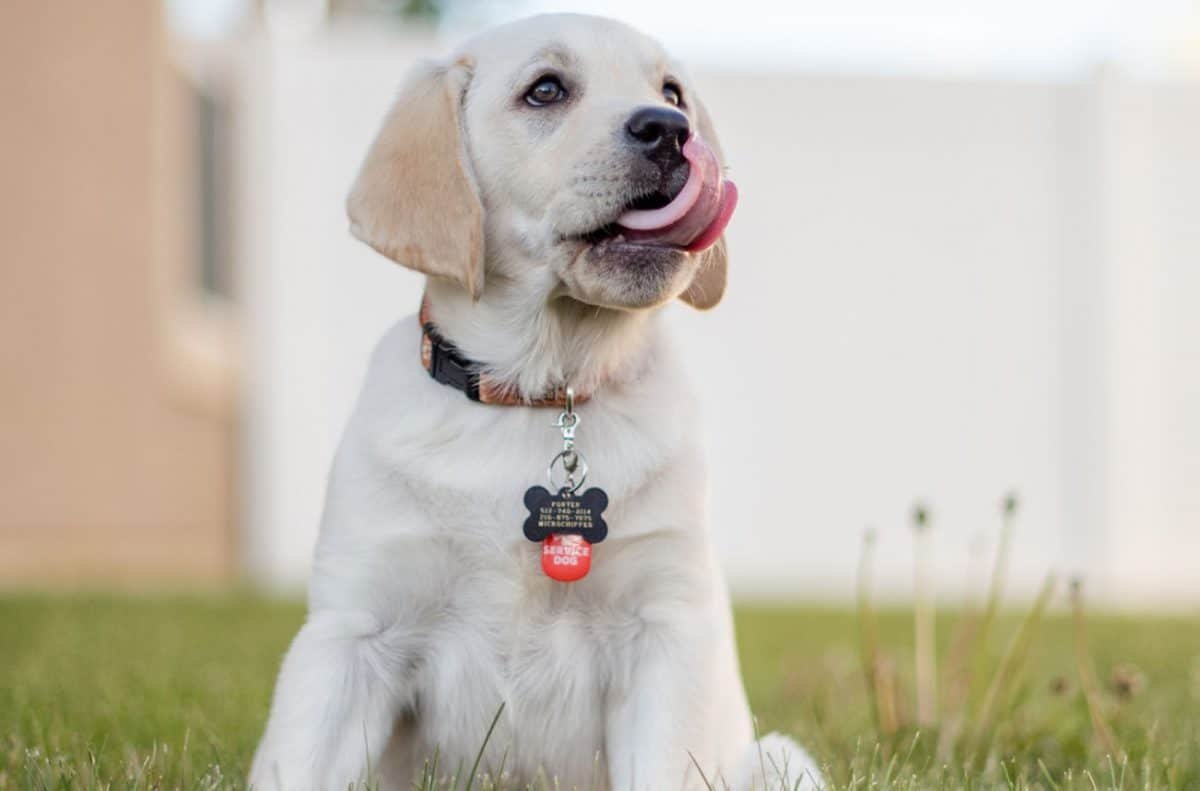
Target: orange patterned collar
[{"x": 446, "y": 364}]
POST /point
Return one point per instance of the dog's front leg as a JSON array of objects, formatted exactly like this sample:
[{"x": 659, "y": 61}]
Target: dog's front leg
[
  {"x": 659, "y": 713},
  {"x": 341, "y": 686}
]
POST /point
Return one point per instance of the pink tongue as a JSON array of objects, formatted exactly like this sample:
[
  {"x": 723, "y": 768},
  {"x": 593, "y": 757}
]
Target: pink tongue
[{"x": 697, "y": 216}]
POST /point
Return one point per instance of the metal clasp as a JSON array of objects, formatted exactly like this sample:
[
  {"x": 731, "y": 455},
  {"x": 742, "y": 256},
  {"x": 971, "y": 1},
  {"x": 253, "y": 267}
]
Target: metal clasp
[
  {"x": 568, "y": 421},
  {"x": 572, "y": 461}
]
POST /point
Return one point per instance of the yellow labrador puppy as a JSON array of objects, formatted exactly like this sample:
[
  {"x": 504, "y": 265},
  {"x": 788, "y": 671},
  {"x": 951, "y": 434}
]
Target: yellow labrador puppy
[{"x": 558, "y": 181}]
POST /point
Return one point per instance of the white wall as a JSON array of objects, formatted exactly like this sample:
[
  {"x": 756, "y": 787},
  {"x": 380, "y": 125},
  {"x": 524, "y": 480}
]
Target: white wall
[
  {"x": 893, "y": 294},
  {"x": 940, "y": 290},
  {"x": 314, "y": 301},
  {"x": 1152, "y": 252}
]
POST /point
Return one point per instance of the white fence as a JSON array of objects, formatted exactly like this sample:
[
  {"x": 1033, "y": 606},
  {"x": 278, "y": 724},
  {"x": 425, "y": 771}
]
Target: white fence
[{"x": 939, "y": 290}]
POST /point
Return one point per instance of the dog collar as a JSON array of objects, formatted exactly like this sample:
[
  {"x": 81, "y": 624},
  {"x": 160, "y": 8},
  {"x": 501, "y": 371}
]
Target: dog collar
[{"x": 448, "y": 365}]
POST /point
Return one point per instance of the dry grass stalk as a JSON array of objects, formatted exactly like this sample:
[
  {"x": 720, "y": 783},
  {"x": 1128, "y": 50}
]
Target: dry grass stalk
[
  {"x": 1008, "y": 514},
  {"x": 1014, "y": 656},
  {"x": 879, "y": 673},
  {"x": 923, "y": 622},
  {"x": 1087, "y": 679},
  {"x": 957, "y": 679},
  {"x": 887, "y": 693},
  {"x": 869, "y": 627},
  {"x": 968, "y": 648}
]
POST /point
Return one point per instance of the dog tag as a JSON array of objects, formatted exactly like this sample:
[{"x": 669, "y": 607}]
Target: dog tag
[
  {"x": 566, "y": 525},
  {"x": 566, "y": 557}
]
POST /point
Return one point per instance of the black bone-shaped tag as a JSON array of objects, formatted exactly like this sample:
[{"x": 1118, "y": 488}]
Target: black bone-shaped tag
[{"x": 565, "y": 513}]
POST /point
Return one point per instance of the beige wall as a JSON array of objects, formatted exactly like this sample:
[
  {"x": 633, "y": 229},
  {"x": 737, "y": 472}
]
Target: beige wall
[{"x": 115, "y": 427}]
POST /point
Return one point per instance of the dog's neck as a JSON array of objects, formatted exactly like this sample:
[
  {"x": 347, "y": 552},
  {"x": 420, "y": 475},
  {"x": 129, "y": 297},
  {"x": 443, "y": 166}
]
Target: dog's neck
[{"x": 535, "y": 347}]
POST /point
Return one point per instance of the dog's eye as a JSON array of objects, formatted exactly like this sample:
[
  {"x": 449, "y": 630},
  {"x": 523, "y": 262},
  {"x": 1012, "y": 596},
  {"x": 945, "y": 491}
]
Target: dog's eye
[
  {"x": 673, "y": 94},
  {"x": 547, "y": 90}
]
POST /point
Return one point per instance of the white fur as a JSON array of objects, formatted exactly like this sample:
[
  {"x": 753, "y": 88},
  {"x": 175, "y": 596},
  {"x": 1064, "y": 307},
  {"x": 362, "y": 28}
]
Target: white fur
[{"x": 429, "y": 609}]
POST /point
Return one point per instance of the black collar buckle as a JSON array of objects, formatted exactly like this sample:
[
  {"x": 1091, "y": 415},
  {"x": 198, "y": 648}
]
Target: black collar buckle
[{"x": 448, "y": 366}]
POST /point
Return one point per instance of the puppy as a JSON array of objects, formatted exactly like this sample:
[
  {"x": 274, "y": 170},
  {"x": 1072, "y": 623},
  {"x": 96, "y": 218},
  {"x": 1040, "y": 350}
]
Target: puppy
[{"x": 558, "y": 181}]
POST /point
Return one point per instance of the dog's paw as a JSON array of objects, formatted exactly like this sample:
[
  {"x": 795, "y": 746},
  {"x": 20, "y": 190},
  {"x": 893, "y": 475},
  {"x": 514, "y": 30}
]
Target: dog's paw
[{"x": 776, "y": 763}]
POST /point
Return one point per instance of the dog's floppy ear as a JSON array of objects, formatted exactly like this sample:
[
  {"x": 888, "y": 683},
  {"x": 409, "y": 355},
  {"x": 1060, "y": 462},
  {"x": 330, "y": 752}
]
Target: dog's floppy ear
[
  {"x": 415, "y": 199},
  {"x": 708, "y": 285}
]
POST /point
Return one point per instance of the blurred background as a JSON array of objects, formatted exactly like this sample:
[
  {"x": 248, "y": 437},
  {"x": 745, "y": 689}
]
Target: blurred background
[{"x": 966, "y": 263}]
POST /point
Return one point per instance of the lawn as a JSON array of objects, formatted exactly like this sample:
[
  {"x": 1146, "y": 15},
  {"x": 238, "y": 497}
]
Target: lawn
[{"x": 108, "y": 691}]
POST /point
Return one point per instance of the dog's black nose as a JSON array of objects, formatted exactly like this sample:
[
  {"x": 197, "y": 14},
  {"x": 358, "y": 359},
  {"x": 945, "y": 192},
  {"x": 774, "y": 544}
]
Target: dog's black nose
[{"x": 659, "y": 132}]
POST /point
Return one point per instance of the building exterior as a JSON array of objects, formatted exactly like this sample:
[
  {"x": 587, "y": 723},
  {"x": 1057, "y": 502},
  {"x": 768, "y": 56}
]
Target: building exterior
[
  {"x": 117, "y": 397},
  {"x": 968, "y": 287}
]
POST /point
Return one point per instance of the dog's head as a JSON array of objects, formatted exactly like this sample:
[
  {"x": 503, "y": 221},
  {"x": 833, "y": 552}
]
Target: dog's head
[{"x": 565, "y": 152}]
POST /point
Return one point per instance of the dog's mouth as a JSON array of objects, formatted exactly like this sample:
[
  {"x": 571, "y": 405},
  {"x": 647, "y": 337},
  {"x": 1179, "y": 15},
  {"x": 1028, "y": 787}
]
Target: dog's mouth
[{"x": 692, "y": 219}]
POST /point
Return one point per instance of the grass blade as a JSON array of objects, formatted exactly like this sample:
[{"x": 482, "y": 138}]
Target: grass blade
[{"x": 479, "y": 755}]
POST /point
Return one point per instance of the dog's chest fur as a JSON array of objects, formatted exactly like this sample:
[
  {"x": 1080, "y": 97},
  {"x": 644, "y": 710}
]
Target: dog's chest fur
[
  {"x": 423, "y": 529},
  {"x": 544, "y": 649}
]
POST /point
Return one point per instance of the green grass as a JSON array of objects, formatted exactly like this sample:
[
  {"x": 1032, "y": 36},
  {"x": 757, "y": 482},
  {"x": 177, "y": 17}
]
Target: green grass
[{"x": 128, "y": 692}]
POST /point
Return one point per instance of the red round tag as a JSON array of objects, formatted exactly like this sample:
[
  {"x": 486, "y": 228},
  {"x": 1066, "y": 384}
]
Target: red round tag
[{"x": 566, "y": 557}]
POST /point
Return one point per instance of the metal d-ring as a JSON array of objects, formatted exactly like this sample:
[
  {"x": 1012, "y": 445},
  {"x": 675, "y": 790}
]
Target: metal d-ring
[{"x": 578, "y": 466}]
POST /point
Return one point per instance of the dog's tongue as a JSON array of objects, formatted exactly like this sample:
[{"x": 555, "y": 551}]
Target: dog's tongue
[{"x": 697, "y": 216}]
